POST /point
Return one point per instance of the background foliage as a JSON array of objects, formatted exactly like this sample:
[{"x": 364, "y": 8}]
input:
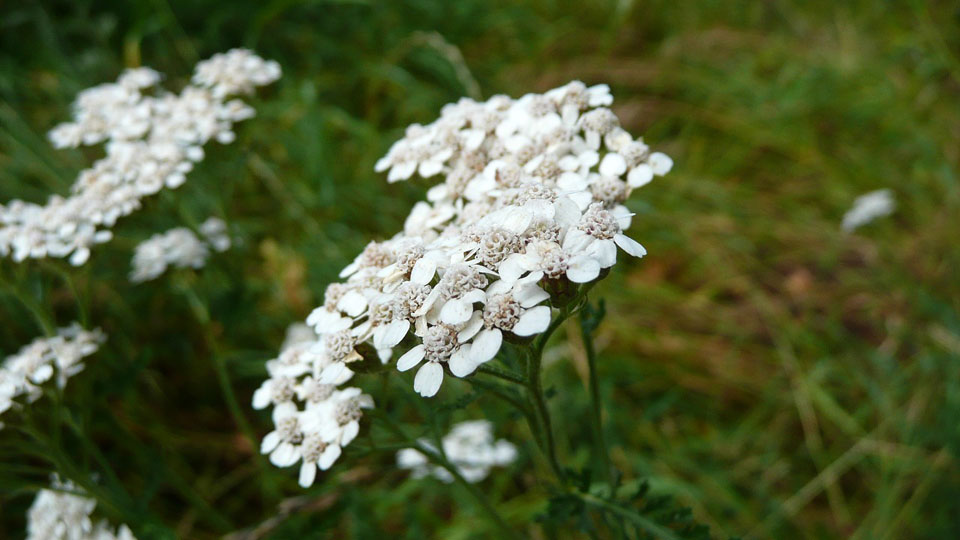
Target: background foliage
[{"x": 779, "y": 377}]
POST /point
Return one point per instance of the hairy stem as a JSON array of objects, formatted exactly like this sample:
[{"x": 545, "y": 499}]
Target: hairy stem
[
  {"x": 535, "y": 384},
  {"x": 597, "y": 416},
  {"x": 543, "y": 413}
]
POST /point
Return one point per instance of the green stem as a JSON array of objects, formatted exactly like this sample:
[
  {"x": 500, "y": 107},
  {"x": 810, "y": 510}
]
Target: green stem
[
  {"x": 540, "y": 403},
  {"x": 597, "y": 416},
  {"x": 502, "y": 374},
  {"x": 658, "y": 531},
  {"x": 501, "y": 393},
  {"x": 46, "y": 322},
  {"x": 440, "y": 460},
  {"x": 74, "y": 290},
  {"x": 202, "y": 314}
]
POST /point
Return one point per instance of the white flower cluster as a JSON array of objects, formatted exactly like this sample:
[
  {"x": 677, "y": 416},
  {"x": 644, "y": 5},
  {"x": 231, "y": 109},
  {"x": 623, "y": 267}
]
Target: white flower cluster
[
  {"x": 330, "y": 418},
  {"x": 42, "y": 359},
  {"x": 179, "y": 248},
  {"x": 532, "y": 195},
  {"x": 868, "y": 207},
  {"x": 152, "y": 139},
  {"x": 57, "y": 514},
  {"x": 469, "y": 446},
  {"x": 531, "y": 201}
]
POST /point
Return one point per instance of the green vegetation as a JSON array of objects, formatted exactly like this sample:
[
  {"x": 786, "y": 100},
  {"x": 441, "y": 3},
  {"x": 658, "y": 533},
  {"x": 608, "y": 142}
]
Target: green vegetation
[{"x": 777, "y": 376}]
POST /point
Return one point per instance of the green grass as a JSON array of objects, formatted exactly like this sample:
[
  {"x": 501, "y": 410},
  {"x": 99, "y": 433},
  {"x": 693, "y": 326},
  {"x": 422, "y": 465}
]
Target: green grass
[{"x": 780, "y": 377}]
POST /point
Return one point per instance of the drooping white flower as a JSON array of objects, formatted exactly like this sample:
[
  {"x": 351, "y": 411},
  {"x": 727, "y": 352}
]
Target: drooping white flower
[{"x": 469, "y": 446}]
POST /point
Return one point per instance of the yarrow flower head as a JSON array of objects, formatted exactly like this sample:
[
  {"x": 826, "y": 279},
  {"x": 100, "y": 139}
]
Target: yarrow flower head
[
  {"x": 179, "y": 248},
  {"x": 152, "y": 140},
  {"x": 469, "y": 446},
  {"x": 530, "y": 199},
  {"x": 63, "y": 513},
  {"x": 59, "y": 357}
]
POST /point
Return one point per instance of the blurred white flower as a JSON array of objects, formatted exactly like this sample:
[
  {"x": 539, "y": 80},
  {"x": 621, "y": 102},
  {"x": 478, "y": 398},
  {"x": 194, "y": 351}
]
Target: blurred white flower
[
  {"x": 60, "y": 356},
  {"x": 178, "y": 248},
  {"x": 152, "y": 140},
  {"x": 63, "y": 513},
  {"x": 469, "y": 446},
  {"x": 868, "y": 207}
]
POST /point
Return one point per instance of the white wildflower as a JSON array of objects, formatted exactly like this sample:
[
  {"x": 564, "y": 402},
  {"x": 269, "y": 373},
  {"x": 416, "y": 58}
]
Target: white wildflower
[
  {"x": 469, "y": 446},
  {"x": 313, "y": 419},
  {"x": 868, "y": 207},
  {"x": 530, "y": 189},
  {"x": 178, "y": 248},
  {"x": 152, "y": 140},
  {"x": 63, "y": 513},
  {"x": 529, "y": 192},
  {"x": 59, "y": 357}
]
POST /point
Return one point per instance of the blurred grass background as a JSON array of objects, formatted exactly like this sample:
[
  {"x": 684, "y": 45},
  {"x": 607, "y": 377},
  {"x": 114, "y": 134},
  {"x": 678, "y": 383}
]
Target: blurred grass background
[{"x": 781, "y": 378}]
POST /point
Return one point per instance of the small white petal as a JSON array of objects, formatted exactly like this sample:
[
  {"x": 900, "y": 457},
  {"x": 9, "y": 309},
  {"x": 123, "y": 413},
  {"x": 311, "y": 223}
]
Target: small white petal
[
  {"x": 269, "y": 442},
  {"x": 630, "y": 245},
  {"x": 261, "y": 397},
  {"x": 533, "y": 321},
  {"x": 530, "y": 295},
  {"x": 456, "y": 311},
  {"x": 333, "y": 373},
  {"x": 393, "y": 333},
  {"x": 471, "y": 328},
  {"x": 567, "y": 212},
  {"x": 640, "y": 175},
  {"x": 80, "y": 256},
  {"x": 353, "y": 303},
  {"x": 428, "y": 379},
  {"x": 430, "y": 168},
  {"x": 513, "y": 267},
  {"x": 583, "y": 199},
  {"x": 605, "y": 252},
  {"x": 583, "y": 270},
  {"x": 589, "y": 158},
  {"x": 308, "y": 473},
  {"x": 329, "y": 456},
  {"x": 423, "y": 271},
  {"x": 571, "y": 181},
  {"x": 517, "y": 220},
  {"x": 474, "y": 296},
  {"x": 285, "y": 455},
  {"x": 486, "y": 345},
  {"x": 577, "y": 241},
  {"x": 411, "y": 358},
  {"x": 461, "y": 364},
  {"x": 660, "y": 163},
  {"x": 350, "y": 432},
  {"x": 402, "y": 171},
  {"x": 613, "y": 164}
]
